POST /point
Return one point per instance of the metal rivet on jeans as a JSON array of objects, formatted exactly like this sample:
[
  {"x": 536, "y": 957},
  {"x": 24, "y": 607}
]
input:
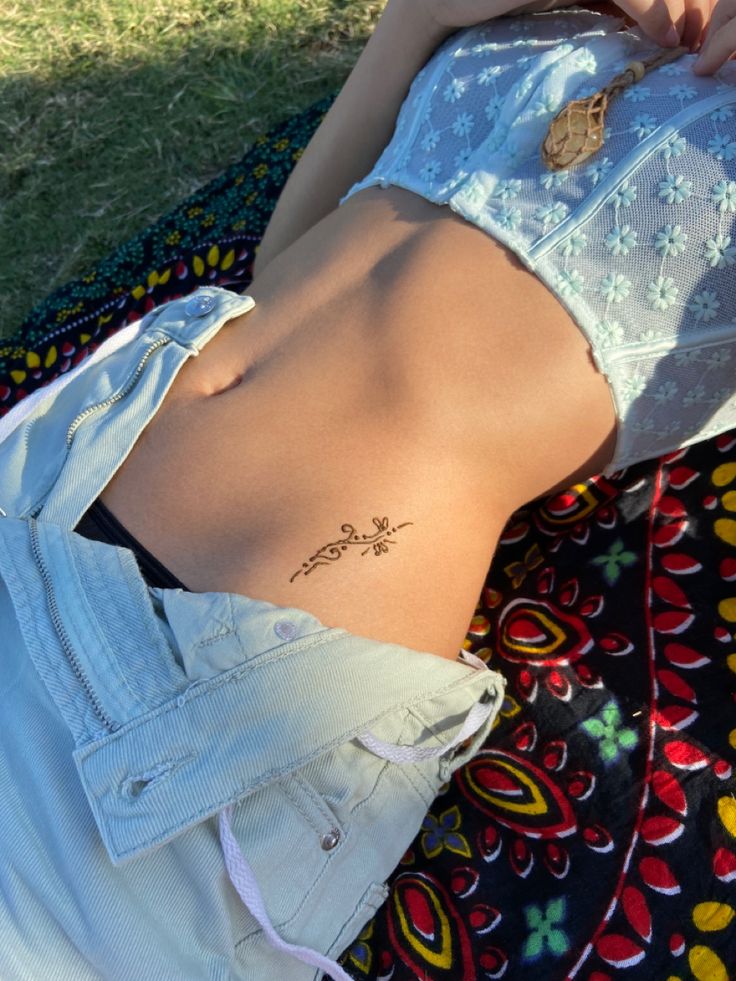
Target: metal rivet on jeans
[
  {"x": 199, "y": 305},
  {"x": 329, "y": 840},
  {"x": 285, "y": 629}
]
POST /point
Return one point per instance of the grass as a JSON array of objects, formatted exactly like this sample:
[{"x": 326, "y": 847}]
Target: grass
[{"x": 113, "y": 111}]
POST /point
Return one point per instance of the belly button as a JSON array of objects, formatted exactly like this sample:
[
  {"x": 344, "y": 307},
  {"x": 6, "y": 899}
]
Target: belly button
[{"x": 229, "y": 387}]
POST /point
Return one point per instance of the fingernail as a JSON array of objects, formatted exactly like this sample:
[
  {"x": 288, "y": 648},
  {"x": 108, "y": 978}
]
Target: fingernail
[{"x": 672, "y": 38}]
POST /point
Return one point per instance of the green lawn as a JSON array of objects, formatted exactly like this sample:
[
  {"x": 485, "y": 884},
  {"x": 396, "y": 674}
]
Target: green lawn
[{"x": 113, "y": 111}]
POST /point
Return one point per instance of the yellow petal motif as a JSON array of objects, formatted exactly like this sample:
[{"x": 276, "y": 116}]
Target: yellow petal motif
[
  {"x": 51, "y": 356},
  {"x": 18, "y": 376},
  {"x": 724, "y": 474},
  {"x": 725, "y": 528},
  {"x": 727, "y": 609},
  {"x": 712, "y": 916},
  {"x": 213, "y": 256},
  {"x": 727, "y": 814},
  {"x": 706, "y": 965},
  {"x": 729, "y": 500},
  {"x": 32, "y": 359},
  {"x": 228, "y": 260},
  {"x": 197, "y": 266}
]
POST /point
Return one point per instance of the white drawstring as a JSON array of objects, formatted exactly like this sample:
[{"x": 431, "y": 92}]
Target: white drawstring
[
  {"x": 414, "y": 754},
  {"x": 243, "y": 877},
  {"x": 244, "y": 880}
]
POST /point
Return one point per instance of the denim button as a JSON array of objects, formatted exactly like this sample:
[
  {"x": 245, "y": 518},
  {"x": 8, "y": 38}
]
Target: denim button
[
  {"x": 285, "y": 629},
  {"x": 199, "y": 305},
  {"x": 328, "y": 841}
]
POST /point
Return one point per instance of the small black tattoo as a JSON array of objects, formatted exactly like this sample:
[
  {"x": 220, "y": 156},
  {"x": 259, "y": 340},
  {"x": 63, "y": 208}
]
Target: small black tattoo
[{"x": 378, "y": 541}]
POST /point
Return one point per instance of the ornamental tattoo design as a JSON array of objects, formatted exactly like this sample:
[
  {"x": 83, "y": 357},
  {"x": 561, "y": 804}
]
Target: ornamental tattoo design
[{"x": 378, "y": 541}]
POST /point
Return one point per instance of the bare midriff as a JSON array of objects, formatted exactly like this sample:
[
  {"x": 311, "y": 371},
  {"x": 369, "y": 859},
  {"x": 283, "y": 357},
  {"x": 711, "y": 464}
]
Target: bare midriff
[{"x": 400, "y": 387}]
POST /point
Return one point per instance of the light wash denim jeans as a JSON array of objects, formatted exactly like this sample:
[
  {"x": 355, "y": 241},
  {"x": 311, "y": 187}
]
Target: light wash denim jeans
[{"x": 134, "y": 719}]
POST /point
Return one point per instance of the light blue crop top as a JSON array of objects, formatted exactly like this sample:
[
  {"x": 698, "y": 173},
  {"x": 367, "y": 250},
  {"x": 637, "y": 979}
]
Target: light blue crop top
[{"x": 638, "y": 242}]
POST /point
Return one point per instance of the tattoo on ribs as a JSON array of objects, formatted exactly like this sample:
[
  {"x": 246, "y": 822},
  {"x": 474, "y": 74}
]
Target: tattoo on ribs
[{"x": 378, "y": 541}]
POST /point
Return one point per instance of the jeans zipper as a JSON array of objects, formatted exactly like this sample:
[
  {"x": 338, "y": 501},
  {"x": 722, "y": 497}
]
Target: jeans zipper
[
  {"x": 624, "y": 168},
  {"x": 127, "y": 387},
  {"x": 61, "y": 633}
]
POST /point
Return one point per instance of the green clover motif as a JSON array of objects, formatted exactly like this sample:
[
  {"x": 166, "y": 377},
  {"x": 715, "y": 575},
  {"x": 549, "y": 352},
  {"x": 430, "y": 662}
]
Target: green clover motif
[
  {"x": 613, "y": 560},
  {"x": 545, "y": 934},
  {"x": 612, "y": 735}
]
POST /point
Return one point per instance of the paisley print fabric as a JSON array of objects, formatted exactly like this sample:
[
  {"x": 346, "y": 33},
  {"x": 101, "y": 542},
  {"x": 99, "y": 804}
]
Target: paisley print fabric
[
  {"x": 638, "y": 242},
  {"x": 594, "y": 837}
]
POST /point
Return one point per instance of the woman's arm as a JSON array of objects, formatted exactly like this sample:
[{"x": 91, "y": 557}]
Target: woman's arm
[{"x": 357, "y": 127}]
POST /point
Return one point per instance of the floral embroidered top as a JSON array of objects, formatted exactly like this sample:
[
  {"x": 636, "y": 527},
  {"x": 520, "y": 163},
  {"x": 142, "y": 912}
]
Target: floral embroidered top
[{"x": 637, "y": 242}]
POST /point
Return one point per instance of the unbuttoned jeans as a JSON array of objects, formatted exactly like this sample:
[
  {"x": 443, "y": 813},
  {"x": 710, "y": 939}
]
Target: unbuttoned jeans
[{"x": 134, "y": 719}]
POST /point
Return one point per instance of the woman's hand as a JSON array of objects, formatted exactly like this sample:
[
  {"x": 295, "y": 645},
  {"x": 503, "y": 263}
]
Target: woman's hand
[
  {"x": 720, "y": 39},
  {"x": 667, "y": 22}
]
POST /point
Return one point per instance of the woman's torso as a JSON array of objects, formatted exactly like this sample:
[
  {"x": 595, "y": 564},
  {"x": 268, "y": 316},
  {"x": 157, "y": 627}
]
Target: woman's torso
[{"x": 390, "y": 369}]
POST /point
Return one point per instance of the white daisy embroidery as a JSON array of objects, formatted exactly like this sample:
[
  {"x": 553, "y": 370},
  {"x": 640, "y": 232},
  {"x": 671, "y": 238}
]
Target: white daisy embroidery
[
  {"x": 575, "y": 244},
  {"x": 704, "y": 306},
  {"x": 642, "y": 124},
  {"x": 633, "y": 387},
  {"x": 670, "y": 241},
  {"x": 553, "y": 178},
  {"x": 551, "y": 214},
  {"x": 615, "y": 287},
  {"x": 430, "y": 171},
  {"x": 637, "y": 93},
  {"x": 674, "y": 147},
  {"x": 430, "y": 140},
  {"x": 570, "y": 282},
  {"x": 685, "y": 358},
  {"x": 508, "y": 218},
  {"x": 455, "y": 90},
  {"x": 723, "y": 195},
  {"x": 675, "y": 189},
  {"x": 610, "y": 332},
  {"x": 462, "y": 157},
  {"x": 721, "y": 115},
  {"x": 694, "y": 396},
  {"x": 486, "y": 76},
  {"x": 666, "y": 392},
  {"x": 597, "y": 171},
  {"x": 493, "y": 106},
  {"x": 662, "y": 293},
  {"x": 507, "y": 189},
  {"x": 463, "y": 124},
  {"x": 722, "y": 147},
  {"x": 621, "y": 240},
  {"x": 719, "y": 252},
  {"x": 717, "y": 358},
  {"x": 683, "y": 92},
  {"x": 623, "y": 196}
]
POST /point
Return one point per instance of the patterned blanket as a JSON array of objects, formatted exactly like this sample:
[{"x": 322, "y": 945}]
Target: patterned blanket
[{"x": 595, "y": 835}]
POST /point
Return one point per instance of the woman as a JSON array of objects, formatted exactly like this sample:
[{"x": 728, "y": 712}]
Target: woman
[{"x": 350, "y": 433}]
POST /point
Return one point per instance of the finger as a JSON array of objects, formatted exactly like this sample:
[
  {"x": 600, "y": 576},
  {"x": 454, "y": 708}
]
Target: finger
[
  {"x": 696, "y": 16},
  {"x": 718, "y": 47},
  {"x": 656, "y": 19},
  {"x": 721, "y": 13},
  {"x": 709, "y": 14}
]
